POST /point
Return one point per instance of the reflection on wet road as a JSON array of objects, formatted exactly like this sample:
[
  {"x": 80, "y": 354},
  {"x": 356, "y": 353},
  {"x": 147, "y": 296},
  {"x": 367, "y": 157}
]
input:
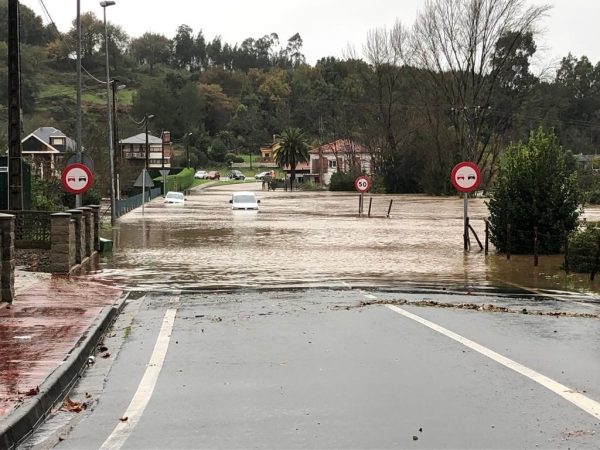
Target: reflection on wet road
[{"x": 309, "y": 239}]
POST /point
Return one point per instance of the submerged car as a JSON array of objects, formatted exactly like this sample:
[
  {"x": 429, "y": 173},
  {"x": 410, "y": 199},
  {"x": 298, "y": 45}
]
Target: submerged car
[
  {"x": 174, "y": 197},
  {"x": 201, "y": 174},
  {"x": 244, "y": 200},
  {"x": 236, "y": 175}
]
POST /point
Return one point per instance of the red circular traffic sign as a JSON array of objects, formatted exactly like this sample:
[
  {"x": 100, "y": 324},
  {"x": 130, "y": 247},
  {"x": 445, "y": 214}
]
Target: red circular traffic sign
[
  {"x": 466, "y": 176},
  {"x": 362, "y": 184},
  {"x": 76, "y": 178}
]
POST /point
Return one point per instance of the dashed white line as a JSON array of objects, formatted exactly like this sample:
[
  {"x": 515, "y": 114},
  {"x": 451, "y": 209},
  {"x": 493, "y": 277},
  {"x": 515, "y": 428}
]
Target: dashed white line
[
  {"x": 146, "y": 387},
  {"x": 588, "y": 405}
]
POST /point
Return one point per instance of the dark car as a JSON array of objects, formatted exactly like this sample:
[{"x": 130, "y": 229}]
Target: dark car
[
  {"x": 236, "y": 175},
  {"x": 213, "y": 175}
]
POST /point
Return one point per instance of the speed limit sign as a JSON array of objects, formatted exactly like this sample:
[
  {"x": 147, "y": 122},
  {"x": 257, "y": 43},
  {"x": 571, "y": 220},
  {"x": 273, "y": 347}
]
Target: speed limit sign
[{"x": 362, "y": 184}]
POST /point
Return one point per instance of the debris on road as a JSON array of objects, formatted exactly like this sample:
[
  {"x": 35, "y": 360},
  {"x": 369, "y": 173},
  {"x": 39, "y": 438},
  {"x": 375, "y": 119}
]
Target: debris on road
[{"x": 470, "y": 306}]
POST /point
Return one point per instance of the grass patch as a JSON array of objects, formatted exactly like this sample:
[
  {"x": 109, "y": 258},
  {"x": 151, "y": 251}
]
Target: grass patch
[{"x": 127, "y": 331}]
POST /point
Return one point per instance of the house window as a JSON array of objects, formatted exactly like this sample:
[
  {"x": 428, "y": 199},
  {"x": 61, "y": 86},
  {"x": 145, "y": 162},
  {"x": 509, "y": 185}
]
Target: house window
[
  {"x": 57, "y": 141},
  {"x": 332, "y": 163}
]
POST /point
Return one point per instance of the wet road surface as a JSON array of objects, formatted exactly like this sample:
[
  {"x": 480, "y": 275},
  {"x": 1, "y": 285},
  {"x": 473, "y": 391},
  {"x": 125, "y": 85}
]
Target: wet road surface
[{"x": 315, "y": 369}]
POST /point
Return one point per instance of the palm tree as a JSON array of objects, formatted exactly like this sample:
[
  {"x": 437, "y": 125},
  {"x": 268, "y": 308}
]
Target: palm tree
[{"x": 291, "y": 150}]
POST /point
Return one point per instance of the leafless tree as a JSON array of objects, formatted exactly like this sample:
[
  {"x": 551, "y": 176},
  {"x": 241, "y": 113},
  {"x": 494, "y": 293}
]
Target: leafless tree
[{"x": 454, "y": 43}]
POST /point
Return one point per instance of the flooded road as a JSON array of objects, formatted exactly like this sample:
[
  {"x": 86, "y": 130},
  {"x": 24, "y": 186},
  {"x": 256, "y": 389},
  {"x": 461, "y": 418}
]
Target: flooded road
[{"x": 317, "y": 239}]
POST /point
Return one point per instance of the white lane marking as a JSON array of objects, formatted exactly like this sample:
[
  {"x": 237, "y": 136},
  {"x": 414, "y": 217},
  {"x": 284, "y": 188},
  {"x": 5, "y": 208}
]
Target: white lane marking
[
  {"x": 590, "y": 406},
  {"x": 146, "y": 387},
  {"x": 550, "y": 296},
  {"x": 370, "y": 297}
]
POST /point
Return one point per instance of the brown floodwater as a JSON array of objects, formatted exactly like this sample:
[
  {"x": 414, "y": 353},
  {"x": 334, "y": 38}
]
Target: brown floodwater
[{"x": 317, "y": 239}]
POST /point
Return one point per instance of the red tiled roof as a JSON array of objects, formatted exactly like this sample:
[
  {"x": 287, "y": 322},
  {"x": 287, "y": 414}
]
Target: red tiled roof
[{"x": 340, "y": 146}]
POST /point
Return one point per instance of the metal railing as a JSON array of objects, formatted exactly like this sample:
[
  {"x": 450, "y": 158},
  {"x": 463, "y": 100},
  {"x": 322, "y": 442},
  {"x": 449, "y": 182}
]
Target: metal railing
[{"x": 125, "y": 205}]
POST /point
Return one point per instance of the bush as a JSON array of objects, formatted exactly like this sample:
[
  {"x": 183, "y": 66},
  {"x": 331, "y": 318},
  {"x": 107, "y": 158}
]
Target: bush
[
  {"x": 535, "y": 187},
  {"x": 584, "y": 250},
  {"x": 341, "y": 181}
]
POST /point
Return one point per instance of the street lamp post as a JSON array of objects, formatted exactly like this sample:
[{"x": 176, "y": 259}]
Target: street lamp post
[
  {"x": 187, "y": 148},
  {"x": 111, "y": 150},
  {"x": 116, "y": 155}
]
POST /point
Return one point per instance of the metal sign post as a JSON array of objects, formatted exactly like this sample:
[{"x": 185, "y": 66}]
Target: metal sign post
[
  {"x": 362, "y": 185},
  {"x": 143, "y": 189},
  {"x": 465, "y": 177}
]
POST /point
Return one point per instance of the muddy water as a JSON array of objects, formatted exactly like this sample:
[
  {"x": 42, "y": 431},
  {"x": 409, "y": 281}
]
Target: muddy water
[{"x": 315, "y": 239}]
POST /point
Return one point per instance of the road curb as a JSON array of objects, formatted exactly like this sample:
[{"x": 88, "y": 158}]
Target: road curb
[{"x": 25, "y": 419}]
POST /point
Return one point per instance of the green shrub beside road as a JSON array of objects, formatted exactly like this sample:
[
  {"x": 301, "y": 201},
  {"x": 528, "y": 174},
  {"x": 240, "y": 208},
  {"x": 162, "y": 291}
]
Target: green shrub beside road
[
  {"x": 584, "y": 250},
  {"x": 536, "y": 188}
]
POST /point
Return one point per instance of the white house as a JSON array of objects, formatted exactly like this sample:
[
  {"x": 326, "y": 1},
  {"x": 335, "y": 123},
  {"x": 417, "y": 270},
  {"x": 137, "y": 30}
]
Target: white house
[
  {"x": 133, "y": 150},
  {"x": 340, "y": 156}
]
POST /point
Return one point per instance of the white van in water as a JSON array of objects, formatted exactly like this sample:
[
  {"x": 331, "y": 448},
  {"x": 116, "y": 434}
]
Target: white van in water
[{"x": 244, "y": 200}]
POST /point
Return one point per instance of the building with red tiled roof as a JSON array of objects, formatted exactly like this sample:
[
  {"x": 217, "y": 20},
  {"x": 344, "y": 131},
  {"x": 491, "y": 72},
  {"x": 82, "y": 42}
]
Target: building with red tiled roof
[{"x": 342, "y": 155}]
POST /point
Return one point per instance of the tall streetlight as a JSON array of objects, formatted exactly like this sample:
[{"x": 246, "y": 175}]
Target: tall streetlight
[
  {"x": 111, "y": 150},
  {"x": 187, "y": 147},
  {"x": 116, "y": 88}
]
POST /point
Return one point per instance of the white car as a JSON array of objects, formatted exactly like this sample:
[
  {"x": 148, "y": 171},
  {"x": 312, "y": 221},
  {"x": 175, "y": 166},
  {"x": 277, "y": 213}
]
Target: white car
[
  {"x": 174, "y": 197},
  {"x": 260, "y": 176},
  {"x": 244, "y": 200},
  {"x": 201, "y": 174}
]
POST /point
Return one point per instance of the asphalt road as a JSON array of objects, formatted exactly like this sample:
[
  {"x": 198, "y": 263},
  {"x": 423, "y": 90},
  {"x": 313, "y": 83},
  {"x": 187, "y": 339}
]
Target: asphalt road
[{"x": 343, "y": 368}]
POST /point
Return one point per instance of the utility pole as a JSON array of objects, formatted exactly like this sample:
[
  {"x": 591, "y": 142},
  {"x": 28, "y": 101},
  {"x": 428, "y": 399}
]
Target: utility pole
[
  {"x": 111, "y": 151},
  {"x": 115, "y": 138},
  {"x": 15, "y": 169},
  {"x": 78, "y": 202},
  {"x": 187, "y": 147}
]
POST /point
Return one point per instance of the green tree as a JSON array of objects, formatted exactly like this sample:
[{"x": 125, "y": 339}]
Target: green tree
[
  {"x": 184, "y": 47},
  {"x": 31, "y": 28},
  {"x": 536, "y": 187},
  {"x": 292, "y": 149},
  {"x": 151, "y": 49}
]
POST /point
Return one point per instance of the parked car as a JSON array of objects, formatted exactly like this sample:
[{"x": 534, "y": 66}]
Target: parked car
[
  {"x": 174, "y": 197},
  {"x": 236, "y": 175},
  {"x": 244, "y": 200},
  {"x": 213, "y": 175},
  {"x": 200, "y": 174},
  {"x": 262, "y": 175}
]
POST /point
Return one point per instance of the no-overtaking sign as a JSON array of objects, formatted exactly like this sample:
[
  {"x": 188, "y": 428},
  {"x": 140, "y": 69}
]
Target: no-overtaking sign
[{"x": 76, "y": 178}]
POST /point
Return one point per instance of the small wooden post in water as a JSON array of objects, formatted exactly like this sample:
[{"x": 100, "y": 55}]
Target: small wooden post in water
[
  {"x": 390, "y": 208},
  {"x": 370, "y": 201},
  {"x": 487, "y": 235},
  {"x": 360, "y": 204}
]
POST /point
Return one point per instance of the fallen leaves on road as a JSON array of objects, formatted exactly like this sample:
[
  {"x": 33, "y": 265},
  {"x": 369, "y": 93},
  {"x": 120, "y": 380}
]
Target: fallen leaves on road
[
  {"x": 31, "y": 392},
  {"x": 73, "y": 406}
]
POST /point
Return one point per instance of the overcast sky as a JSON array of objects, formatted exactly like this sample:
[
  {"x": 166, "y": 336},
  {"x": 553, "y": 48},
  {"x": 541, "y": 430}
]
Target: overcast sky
[{"x": 327, "y": 27}]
